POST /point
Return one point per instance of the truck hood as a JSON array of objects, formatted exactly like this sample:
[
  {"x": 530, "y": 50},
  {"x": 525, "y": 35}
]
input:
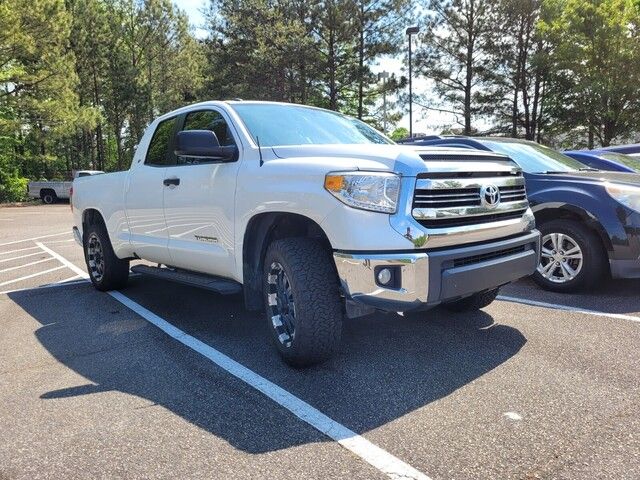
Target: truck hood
[
  {"x": 405, "y": 159},
  {"x": 598, "y": 177}
]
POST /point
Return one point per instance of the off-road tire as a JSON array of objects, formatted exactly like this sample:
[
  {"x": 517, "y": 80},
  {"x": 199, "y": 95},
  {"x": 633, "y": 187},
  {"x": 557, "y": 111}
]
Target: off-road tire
[
  {"x": 314, "y": 287},
  {"x": 48, "y": 197},
  {"x": 474, "y": 302},
  {"x": 115, "y": 272},
  {"x": 595, "y": 262}
]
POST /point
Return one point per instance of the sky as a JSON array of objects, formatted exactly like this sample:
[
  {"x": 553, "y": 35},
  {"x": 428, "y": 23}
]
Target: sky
[{"x": 422, "y": 123}]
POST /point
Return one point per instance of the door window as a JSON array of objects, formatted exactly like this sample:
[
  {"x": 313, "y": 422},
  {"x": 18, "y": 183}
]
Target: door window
[
  {"x": 158, "y": 153},
  {"x": 210, "y": 120}
]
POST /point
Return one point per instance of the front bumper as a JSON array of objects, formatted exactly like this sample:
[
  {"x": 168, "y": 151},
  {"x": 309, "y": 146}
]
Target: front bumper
[
  {"x": 625, "y": 268},
  {"x": 427, "y": 278}
]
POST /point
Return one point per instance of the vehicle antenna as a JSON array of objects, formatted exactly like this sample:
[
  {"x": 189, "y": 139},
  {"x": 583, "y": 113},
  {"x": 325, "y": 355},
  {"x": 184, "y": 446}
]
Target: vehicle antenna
[{"x": 259, "y": 150}]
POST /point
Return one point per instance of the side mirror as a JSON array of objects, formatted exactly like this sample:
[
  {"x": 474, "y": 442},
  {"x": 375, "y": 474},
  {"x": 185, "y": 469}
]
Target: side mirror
[{"x": 204, "y": 144}]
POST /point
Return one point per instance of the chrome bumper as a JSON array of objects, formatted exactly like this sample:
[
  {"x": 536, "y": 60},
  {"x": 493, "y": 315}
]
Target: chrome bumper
[{"x": 428, "y": 278}]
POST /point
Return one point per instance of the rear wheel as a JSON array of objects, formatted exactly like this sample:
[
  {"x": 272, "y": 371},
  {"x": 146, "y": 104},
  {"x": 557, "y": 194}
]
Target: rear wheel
[
  {"x": 474, "y": 302},
  {"x": 106, "y": 271},
  {"x": 572, "y": 257},
  {"x": 302, "y": 301},
  {"x": 48, "y": 197}
]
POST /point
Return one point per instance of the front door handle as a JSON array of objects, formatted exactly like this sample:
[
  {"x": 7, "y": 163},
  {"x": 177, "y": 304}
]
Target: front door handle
[{"x": 171, "y": 181}]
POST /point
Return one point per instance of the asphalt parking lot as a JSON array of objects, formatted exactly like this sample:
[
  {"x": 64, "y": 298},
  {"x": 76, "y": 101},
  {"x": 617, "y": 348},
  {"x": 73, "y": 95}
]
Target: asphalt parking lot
[{"x": 536, "y": 385}]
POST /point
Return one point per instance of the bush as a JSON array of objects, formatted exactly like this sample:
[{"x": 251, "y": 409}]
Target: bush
[{"x": 13, "y": 188}]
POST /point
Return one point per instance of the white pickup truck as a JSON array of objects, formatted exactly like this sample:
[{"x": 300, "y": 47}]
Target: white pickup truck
[
  {"x": 312, "y": 215},
  {"x": 51, "y": 191}
]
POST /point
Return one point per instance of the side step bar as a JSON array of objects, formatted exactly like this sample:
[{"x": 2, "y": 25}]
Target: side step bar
[{"x": 220, "y": 285}]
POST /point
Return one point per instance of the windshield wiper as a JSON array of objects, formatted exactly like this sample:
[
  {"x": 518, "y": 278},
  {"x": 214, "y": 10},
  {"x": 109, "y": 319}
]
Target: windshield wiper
[{"x": 588, "y": 169}]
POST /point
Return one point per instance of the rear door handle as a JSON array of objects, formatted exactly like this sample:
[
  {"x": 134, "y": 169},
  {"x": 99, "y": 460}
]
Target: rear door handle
[{"x": 171, "y": 181}]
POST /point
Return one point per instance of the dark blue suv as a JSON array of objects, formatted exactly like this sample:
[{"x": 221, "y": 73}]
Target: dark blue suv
[{"x": 589, "y": 219}]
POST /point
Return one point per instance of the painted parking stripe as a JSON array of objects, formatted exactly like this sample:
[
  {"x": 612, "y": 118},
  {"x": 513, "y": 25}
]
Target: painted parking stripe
[
  {"x": 60, "y": 283},
  {"x": 385, "y": 462},
  {"x": 34, "y": 238},
  {"x": 367, "y": 451},
  {"x": 15, "y": 280},
  {"x": 18, "y": 250},
  {"x": 555, "y": 306},
  {"x": 27, "y": 264},
  {"x": 21, "y": 256}
]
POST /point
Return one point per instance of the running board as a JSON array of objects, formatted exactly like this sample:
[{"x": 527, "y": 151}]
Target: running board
[{"x": 199, "y": 280}]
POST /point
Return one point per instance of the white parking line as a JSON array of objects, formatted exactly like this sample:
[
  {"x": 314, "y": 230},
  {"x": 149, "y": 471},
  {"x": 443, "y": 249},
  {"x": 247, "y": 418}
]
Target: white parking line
[
  {"x": 360, "y": 446},
  {"x": 61, "y": 283},
  {"x": 567, "y": 308},
  {"x": 34, "y": 238},
  {"x": 15, "y": 280},
  {"x": 27, "y": 264},
  {"x": 21, "y": 256},
  {"x": 64, "y": 261},
  {"x": 51, "y": 242},
  {"x": 18, "y": 250}
]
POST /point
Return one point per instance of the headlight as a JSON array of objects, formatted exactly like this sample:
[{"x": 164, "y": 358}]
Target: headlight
[
  {"x": 627, "y": 195},
  {"x": 373, "y": 191}
]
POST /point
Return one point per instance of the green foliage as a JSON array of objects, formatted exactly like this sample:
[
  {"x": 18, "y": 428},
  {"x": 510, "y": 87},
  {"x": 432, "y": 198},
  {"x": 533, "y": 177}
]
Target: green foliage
[
  {"x": 454, "y": 55},
  {"x": 399, "y": 134},
  {"x": 13, "y": 187},
  {"x": 595, "y": 64},
  {"x": 81, "y": 79}
]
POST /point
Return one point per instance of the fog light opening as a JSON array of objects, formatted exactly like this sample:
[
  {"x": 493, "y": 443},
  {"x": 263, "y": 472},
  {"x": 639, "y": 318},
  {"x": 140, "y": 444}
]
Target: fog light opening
[
  {"x": 387, "y": 276},
  {"x": 384, "y": 276}
]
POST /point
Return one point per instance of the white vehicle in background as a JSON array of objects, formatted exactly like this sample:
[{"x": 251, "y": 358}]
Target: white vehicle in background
[
  {"x": 312, "y": 215},
  {"x": 51, "y": 191}
]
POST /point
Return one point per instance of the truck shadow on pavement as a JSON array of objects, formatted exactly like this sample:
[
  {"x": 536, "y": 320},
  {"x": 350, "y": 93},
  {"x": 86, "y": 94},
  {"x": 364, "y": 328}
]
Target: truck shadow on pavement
[{"x": 388, "y": 366}]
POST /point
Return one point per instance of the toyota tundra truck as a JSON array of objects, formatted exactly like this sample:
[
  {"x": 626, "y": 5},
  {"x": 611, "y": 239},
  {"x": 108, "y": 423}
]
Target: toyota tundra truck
[{"x": 311, "y": 215}]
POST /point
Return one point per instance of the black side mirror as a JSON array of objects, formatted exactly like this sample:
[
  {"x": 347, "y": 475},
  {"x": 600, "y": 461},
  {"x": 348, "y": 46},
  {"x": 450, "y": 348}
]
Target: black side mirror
[{"x": 204, "y": 144}]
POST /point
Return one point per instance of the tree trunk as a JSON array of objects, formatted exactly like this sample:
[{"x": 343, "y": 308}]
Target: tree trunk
[
  {"x": 469, "y": 70},
  {"x": 361, "y": 62}
]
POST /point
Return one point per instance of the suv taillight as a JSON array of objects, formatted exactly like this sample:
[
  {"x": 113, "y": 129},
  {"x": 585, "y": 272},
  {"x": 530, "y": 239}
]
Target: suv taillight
[{"x": 71, "y": 198}]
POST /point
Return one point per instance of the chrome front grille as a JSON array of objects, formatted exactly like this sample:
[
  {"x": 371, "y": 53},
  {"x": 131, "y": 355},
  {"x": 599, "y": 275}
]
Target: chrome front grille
[{"x": 450, "y": 202}]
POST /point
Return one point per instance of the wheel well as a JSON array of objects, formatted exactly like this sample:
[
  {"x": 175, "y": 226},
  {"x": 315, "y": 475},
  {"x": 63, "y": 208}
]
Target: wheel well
[
  {"x": 591, "y": 222},
  {"x": 45, "y": 191},
  {"x": 261, "y": 231},
  {"x": 89, "y": 217}
]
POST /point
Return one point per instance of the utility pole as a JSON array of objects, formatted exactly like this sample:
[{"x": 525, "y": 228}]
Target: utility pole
[
  {"x": 411, "y": 31},
  {"x": 384, "y": 75}
]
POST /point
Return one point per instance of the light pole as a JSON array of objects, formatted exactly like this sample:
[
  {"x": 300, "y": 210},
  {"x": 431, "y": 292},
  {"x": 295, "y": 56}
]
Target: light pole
[
  {"x": 383, "y": 76},
  {"x": 411, "y": 31}
]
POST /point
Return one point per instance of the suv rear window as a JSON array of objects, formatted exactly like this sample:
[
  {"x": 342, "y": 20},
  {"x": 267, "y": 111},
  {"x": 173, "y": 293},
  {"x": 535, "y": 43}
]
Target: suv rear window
[{"x": 158, "y": 152}]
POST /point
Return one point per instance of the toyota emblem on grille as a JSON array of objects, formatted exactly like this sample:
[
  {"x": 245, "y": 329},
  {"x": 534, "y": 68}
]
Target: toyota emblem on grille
[{"x": 490, "y": 195}]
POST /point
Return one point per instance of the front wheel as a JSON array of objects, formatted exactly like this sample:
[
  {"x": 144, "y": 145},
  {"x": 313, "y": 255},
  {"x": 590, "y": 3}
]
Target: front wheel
[
  {"x": 302, "y": 301},
  {"x": 106, "y": 271},
  {"x": 572, "y": 257}
]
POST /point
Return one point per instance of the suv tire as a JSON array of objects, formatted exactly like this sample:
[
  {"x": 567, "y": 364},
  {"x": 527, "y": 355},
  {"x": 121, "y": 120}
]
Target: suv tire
[
  {"x": 302, "y": 301},
  {"x": 106, "y": 271},
  {"x": 474, "y": 302},
  {"x": 569, "y": 243}
]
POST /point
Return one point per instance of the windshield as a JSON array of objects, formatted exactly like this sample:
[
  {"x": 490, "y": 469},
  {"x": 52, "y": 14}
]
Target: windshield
[
  {"x": 278, "y": 124},
  {"x": 535, "y": 158},
  {"x": 627, "y": 160}
]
